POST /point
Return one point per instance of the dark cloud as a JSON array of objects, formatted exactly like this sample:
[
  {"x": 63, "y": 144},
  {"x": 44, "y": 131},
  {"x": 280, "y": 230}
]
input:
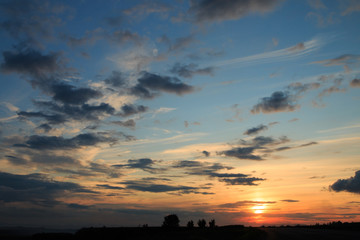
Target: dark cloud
[
  {"x": 189, "y": 70},
  {"x": 221, "y": 10},
  {"x": 30, "y": 61},
  {"x": 128, "y": 110},
  {"x": 16, "y": 160},
  {"x": 36, "y": 188},
  {"x": 45, "y": 127},
  {"x": 291, "y": 147},
  {"x": 261, "y": 141},
  {"x": 199, "y": 168},
  {"x": 308, "y": 144},
  {"x": 260, "y": 144},
  {"x": 93, "y": 169},
  {"x": 52, "y": 119},
  {"x": 278, "y": 102},
  {"x": 31, "y": 21},
  {"x": 103, "y": 168},
  {"x": 69, "y": 94},
  {"x": 54, "y": 143},
  {"x": 51, "y": 159},
  {"x": 355, "y": 82},
  {"x": 211, "y": 170},
  {"x": 158, "y": 83},
  {"x": 117, "y": 79},
  {"x": 206, "y": 153},
  {"x": 255, "y": 130},
  {"x": 78, "y": 206},
  {"x": 242, "y": 153},
  {"x": 145, "y": 186},
  {"x": 290, "y": 200},
  {"x": 129, "y": 123},
  {"x": 351, "y": 184},
  {"x": 248, "y": 181},
  {"x": 144, "y": 164},
  {"x": 106, "y": 186},
  {"x": 56, "y": 113}
]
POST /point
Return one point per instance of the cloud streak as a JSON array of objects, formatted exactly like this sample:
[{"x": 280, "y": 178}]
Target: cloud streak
[{"x": 285, "y": 54}]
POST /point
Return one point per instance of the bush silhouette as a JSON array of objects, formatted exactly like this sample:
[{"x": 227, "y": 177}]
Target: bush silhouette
[
  {"x": 171, "y": 220},
  {"x": 212, "y": 223},
  {"x": 201, "y": 223},
  {"x": 190, "y": 224}
]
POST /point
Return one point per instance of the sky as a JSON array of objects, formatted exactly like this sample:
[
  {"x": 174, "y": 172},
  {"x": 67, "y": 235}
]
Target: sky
[{"x": 118, "y": 113}]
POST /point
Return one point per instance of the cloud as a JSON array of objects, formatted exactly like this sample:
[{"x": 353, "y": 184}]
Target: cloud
[
  {"x": 290, "y": 200},
  {"x": 144, "y": 164},
  {"x": 280, "y": 101},
  {"x": 351, "y": 184},
  {"x": 146, "y": 186},
  {"x": 178, "y": 44},
  {"x": 341, "y": 60},
  {"x": 255, "y": 130},
  {"x": 355, "y": 83},
  {"x": 222, "y": 10},
  {"x": 30, "y": 61},
  {"x": 69, "y": 94},
  {"x": 147, "y": 8},
  {"x": 53, "y": 142},
  {"x": 285, "y": 54},
  {"x": 16, "y": 160},
  {"x": 242, "y": 153},
  {"x": 211, "y": 170},
  {"x": 189, "y": 70},
  {"x": 316, "y": 4},
  {"x": 206, "y": 153},
  {"x": 354, "y": 6},
  {"x": 31, "y": 21},
  {"x": 244, "y": 203},
  {"x": 117, "y": 79},
  {"x": 129, "y": 123},
  {"x": 93, "y": 169},
  {"x": 297, "y": 47},
  {"x": 158, "y": 83},
  {"x": 128, "y": 110},
  {"x": 55, "y": 113},
  {"x": 298, "y": 88},
  {"x": 35, "y": 188},
  {"x": 247, "y": 181},
  {"x": 111, "y": 187}
]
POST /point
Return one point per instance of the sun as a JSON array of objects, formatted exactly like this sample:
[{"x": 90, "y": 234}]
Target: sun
[{"x": 258, "y": 209}]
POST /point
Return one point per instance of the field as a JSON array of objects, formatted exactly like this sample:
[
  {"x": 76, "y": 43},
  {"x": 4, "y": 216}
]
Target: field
[{"x": 218, "y": 233}]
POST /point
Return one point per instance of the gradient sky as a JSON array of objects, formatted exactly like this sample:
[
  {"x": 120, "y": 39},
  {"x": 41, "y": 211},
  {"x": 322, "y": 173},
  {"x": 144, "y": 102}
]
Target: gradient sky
[{"x": 120, "y": 112}]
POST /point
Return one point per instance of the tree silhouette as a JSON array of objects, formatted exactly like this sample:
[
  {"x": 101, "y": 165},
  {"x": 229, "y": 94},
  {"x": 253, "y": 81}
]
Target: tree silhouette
[
  {"x": 201, "y": 223},
  {"x": 171, "y": 220},
  {"x": 212, "y": 223},
  {"x": 190, "y": 224}
]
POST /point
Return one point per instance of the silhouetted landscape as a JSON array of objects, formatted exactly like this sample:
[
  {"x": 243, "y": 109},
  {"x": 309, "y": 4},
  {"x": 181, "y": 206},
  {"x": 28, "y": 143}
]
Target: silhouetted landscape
[{"x": 171, "y": 230}]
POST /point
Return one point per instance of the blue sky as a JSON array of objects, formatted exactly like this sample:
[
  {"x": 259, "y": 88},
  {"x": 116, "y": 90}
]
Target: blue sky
[{"x": 120, "y": 112}]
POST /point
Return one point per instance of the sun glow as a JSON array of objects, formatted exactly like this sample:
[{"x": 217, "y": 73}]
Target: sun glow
[{"x": 259, "y": 209}]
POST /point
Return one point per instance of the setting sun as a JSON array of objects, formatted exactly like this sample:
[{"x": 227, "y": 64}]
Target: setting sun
[{"x": 259, "y": 209}]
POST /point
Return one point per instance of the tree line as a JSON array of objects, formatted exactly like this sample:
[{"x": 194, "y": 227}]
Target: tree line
[{"x": 173, "y": 220}]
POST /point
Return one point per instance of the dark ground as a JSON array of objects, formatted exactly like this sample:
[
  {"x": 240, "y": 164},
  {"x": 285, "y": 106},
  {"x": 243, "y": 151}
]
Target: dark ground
[{"x": 218, "y": 233}]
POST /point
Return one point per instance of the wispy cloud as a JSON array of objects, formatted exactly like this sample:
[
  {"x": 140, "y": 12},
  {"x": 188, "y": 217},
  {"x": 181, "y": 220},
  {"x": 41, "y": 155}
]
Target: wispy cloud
[{"x": 298, "y": 50}]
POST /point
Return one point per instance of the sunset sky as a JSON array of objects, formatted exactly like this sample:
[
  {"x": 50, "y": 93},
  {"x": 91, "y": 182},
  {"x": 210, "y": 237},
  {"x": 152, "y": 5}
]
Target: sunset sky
[{"x": 120, "y": 112}]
